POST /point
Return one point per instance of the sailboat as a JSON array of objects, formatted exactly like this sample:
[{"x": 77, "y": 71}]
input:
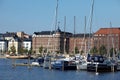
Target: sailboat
[
  {"x": 82, "y": 65},
  {"x": 65, "y": 63},
  {"x": 47, "y": 59},
  {"x": 103, "y": 64}
]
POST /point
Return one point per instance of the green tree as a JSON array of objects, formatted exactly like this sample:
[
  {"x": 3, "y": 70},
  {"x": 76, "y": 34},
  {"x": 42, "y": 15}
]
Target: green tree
[
  {"x": 34, "y": 52},
  {"x": 76, "y": 50},
  {"x": 21, "y": 50},
  {"x": 40, "y": 49},
  {"x": 102, "y": 50},
  {"x": 112, "y": 52},
  {"x": 13, "y": 49},
  {"x": 118, "y": 52},
  {"x": 45, "y": 50},
  {"x": 30, "y": 51},
  {"x": 26, "y": 50},
  {"x": 94, "y": 50},
  {"x": 81, "y": 52},
  {"x": 57, "y": 51}
]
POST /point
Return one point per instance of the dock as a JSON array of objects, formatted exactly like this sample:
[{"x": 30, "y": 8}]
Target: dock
[{"x": 23, "y": 64}]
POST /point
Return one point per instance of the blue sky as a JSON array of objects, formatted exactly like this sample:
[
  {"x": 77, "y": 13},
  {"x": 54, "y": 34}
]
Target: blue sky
[{"x": 39, "y": 15}]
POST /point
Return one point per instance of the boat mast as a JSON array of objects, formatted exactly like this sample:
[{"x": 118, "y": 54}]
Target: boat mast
[
  {"x": 84, "y": 40},
  {"x": 64, "y": 34},
  {"x": 91, "y": 21},
  {"x": 55, "y": 25},
  {"x": 56, "y": 15},
  {"x": 113, "y": 52},
  {"x": 108, "y": 45},
  {"x": 85, "y": 37},
  {"x": 74, "y": 34}
]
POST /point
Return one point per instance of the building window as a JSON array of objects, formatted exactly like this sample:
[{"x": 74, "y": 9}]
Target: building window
[
  {"x": 26, "y": 47},
  {"x": 116, "y": 34},
  {"x": 99, "y": 34},
  {"x": 27, "y": 44}
]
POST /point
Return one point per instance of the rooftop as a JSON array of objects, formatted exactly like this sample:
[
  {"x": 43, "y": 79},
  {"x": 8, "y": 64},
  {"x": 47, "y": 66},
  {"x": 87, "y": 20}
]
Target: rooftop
[
  {"x": 108, "y": 31},
  {"x": 81, "y": 35}
]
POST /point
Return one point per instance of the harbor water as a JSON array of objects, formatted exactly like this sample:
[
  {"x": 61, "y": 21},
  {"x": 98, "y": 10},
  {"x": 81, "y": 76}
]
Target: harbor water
[{"x": 8, "y": 72}]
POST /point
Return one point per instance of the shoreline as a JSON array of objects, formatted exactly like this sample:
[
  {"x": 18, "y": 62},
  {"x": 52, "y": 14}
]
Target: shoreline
[{"x": 2, "y": 57}]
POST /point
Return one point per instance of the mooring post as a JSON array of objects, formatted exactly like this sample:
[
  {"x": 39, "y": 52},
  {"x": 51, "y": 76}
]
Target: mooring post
[
  {"x": 63, "y": 66},
  {"x": 50, "y": 63},
  {"x": 96, "y": 68},
  {"x": 13, "y": 63}
]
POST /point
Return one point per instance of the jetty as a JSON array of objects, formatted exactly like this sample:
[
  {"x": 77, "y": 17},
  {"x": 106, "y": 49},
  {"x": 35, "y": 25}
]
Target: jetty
[{"x": 24, "y": 64}]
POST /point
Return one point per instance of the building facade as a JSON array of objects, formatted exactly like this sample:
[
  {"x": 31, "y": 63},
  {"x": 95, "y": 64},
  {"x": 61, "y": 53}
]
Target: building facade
[
  {"x": 3, "y": 46},
  {"x": 16, "y": 43},
  {"x": 51, "y": 41},
  {"x": 16, "y": 39},
  {"x": 27, "y": 44},
  {"x": 109, "y": 37},
  {"x": 83, "y": 42}
]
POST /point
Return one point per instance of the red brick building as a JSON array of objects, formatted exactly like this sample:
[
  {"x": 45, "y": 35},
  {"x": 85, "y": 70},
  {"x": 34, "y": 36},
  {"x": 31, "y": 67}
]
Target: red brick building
[
  {"x": 53, "y": 41},
  {"x": 109, "y": 37},
  {"x": 83, "y": 42}
]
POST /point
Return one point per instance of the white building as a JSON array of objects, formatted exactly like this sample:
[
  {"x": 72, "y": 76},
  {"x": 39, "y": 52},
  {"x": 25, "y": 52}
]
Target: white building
[
  {"x": 27, "y": 44},
  {"x": 19, "y": 40},
  {"x": 3, "y": 46},
  {"x": 14, "y": 42}
]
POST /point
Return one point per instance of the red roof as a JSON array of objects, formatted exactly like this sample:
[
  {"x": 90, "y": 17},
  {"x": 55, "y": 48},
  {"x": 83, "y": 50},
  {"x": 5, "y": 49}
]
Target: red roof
[{"x": 108, "y": 31}]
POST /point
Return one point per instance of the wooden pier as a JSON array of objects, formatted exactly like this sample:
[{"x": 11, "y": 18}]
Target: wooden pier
[{"x": 24, "y": 64}]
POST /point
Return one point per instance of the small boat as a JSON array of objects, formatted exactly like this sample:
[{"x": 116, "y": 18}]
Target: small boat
[
  {"x": 82, "y": 65},
  {"x": 35, "y": 64},
  {"x": 47, "y": 62},
  {"x": 99, "y": 64},
  {"x": 118, "y": 64},
  {"x": 82, "y": 62},
  {"x": 40, "y": 60},
  {"x": 17, "y": 57},
  {"x": 64, "y": 65}
]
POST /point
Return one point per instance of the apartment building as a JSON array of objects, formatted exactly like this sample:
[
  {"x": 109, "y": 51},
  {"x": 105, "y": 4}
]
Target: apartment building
[
  {"x": 3, "y": 45},
  {"x": 51, "y": 41},
  {"x": 27, "y": 43},
  {"x": 109, "y": 37},
  {"x": 83, "y": 42},
  {"x": 16, "y": 39}
]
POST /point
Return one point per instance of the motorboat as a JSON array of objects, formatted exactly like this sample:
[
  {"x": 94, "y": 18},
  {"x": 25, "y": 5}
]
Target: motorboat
[
  {"x": 101, "y": 64},
  {"x": 82, "y": 65},
  {"x": 47, "y": 62},
  {"x": 38, "y": 61},
  {"x": 35, "y": 64},
  {"x": 65, "y": 64}
]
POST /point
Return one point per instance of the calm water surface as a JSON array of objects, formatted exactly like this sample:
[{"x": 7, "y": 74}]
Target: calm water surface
[{"x": 7, "y": 72}]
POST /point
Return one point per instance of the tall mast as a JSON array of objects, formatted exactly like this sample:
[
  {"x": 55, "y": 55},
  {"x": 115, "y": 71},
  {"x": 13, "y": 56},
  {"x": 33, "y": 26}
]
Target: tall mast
[
  {"x": 55, "y": 24},
  {"x": 108, "y": 44},
  {"x": 64, "y": 34},
  {"x": 84, "y": 40},
  {"x": 85, "y": 36},
  {"x": 113, "y": 52},
  {"x": 74, "y": 33},
  {"x": 56, "y": 15},
  {"x": 91, "y": 21}
]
